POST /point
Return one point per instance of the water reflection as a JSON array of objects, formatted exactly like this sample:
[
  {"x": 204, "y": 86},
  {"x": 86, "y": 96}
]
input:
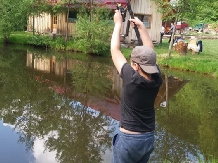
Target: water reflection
[{"x": 67, "y": 110}]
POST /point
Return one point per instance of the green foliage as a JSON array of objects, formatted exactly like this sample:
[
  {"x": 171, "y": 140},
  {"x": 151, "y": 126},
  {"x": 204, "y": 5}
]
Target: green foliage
[
  {"x": 206, "y": 12},
  {"x": 194, "y": 11},
  {"x": 40, "y": 40},
  {"x": 205, "y": 62},
  {"x": 13, "y": 16},
  {"x": 93, "y": 32},
  {"x": 96, "y": 83},
  {"x": 20, "y": 37},
  {"x": 58, "y": 43},
  {"x": 195, "y": 104},
  {"x": 39, "y": 6}
]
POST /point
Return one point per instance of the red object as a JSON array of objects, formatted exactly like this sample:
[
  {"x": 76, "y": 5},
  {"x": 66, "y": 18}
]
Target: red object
[
  {"x": 181, "y": 25},
  {"x": 110, "y": 3}
]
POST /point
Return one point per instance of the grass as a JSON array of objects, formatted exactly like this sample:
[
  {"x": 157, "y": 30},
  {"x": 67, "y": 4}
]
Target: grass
[
  {"x": 18, "y": 37},
  {"x": 209, "y": 160},
  {"x": 204, "y": 62}
]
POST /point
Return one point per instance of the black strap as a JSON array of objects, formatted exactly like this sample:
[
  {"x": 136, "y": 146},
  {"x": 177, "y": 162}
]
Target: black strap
[{"x": 128, "y": 23}]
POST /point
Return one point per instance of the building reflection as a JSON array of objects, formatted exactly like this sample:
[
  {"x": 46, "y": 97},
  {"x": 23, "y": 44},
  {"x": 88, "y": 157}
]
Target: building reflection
[{"x": 109, "y": 105}]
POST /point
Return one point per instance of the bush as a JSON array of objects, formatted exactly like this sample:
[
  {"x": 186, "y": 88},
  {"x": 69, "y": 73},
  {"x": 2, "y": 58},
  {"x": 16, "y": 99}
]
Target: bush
[
  {"x": 39, "y": 40},
  {"x": 93, "y": 36},
  {"x": 58, "y": 43}
]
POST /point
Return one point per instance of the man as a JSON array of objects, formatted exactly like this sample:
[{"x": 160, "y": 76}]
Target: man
[
  {"x": 141, "y": 81},
  {"x": 171, "y": 31},
  {"x": 162, "y": 33}
]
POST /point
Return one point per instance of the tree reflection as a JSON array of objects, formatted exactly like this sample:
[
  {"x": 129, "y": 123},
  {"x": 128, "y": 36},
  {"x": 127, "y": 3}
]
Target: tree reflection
[
  {"x": 76, "y": 132},
  {"x": 187, "y": 131},
  {"x": 52, "y": 107}
]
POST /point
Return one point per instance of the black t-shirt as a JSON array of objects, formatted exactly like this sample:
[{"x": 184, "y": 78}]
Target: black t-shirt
[{"x": 138, "y": 97}]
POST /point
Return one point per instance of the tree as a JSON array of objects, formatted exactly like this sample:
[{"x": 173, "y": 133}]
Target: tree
[
  {"x": 92, "y": 36},
  {"x": 39, "y": 7},
  {"x": 13, "y": 17},
  {"x": 65, "y": 5},
  {"x": 176, "y": 10},
  {"x": 204, "y": 11}
]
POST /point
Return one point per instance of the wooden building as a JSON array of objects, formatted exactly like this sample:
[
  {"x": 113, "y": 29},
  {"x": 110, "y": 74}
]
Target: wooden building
[
  {"x": 146, "y": 11},
  {"x": 57, "y": 24},
  {"x": 53, "y": 23}
]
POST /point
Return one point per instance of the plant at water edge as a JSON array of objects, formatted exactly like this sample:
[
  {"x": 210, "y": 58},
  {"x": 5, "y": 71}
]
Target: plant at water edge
[
  {"x": 13, "y": 17},
  {"x": 19, "y": 37},
  {"x": 93, "y": 32},
  {"x": 39, "y": 40},
  {"x": 212, "y": 160},
  {"x": 58, "y": 43}
]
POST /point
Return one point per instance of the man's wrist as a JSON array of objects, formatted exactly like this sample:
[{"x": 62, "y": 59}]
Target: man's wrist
[{"x": 118, "y": 25}]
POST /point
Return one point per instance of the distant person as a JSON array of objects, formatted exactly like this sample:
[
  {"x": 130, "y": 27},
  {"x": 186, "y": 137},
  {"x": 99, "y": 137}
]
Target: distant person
[
  {"x": 178, "y": 39},
  {"x": 171, "y": 31},
  {"x": 162, "y": 34},
  {"x": 193, "y": 46},
  {"x": 141, "y": 82}
]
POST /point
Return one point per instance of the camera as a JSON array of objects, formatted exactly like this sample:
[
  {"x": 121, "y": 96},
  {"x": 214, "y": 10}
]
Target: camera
[{"x": 122, "y": 11}]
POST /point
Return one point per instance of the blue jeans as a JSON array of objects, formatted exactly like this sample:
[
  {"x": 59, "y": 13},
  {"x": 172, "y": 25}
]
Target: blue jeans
[{"x": 132, "y": 148}]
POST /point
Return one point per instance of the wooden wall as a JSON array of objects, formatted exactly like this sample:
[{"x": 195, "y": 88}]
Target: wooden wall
[
  {"x": 44, "y": 24},
  {"x": 62, "y": 25},
  {"x": 147, "y": 7}
]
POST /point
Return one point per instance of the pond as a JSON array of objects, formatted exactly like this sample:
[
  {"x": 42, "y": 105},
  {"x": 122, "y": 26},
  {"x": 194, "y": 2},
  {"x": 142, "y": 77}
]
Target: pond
[{"x": 64, "y": 107}]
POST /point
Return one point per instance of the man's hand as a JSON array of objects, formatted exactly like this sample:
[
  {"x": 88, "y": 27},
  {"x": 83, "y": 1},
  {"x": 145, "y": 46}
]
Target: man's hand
[
  {"x": 136, "y": 22},
  {"x": 146, "y": 40},
  {"x": 117, "y": 57},
  {"x": 118, "y": 17}
]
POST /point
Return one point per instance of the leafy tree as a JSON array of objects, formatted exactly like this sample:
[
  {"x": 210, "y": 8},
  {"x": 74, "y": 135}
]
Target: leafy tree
[
  {"x": 194, "y": 11},
  {"x": 92, "y": 36},
  {"x": 38, "y": 7},
  {"x": 176, "y": 10},
  {"x": 32, "y": 103},
  {"x": 13, "y": 16},
  {"x": 204, "y": 11}
]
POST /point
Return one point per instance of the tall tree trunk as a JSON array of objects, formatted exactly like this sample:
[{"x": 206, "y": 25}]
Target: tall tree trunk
[
  {"x": 5, "y": 40},
  {"x": 68, "y": 10},
  {"x": 167, "y": 92},
  {"x": 33, "y": 25},
  {"x": 172, "y": 37},
  {"x": 90, "y": 15}
]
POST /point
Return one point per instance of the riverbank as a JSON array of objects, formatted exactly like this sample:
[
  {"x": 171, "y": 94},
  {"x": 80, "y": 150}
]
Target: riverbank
[{"x": 204, "y": 62}]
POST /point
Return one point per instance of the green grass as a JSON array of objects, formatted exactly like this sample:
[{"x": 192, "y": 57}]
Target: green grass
[
  {"x": 210, "y": 160},
  {"x": 205, "y": 62},
  {"x": 20, "y": 37}
]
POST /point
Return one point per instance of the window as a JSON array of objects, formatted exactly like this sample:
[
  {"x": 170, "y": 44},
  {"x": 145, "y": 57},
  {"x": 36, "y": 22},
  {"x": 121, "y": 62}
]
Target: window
[
  {"x": 72, "y": 17},
  {"x": 55, "y": 19},
  {"x": 146, "y": 19}
]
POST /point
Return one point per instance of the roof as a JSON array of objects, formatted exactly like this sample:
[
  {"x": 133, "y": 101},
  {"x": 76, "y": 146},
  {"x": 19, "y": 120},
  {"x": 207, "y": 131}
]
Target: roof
[{"x": 104, "y": 3}]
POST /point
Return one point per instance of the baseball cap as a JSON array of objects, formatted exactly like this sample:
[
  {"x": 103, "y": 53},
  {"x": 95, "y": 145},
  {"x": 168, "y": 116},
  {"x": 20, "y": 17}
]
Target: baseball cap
[{"x": 146, "y": 57}]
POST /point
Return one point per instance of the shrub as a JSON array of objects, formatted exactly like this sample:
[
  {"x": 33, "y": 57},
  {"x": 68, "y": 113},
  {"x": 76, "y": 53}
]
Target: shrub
[
  {"x": 39, "y": 40},
  {"x": 93, "y": 33},
  {"x": 58, "y": 43}
]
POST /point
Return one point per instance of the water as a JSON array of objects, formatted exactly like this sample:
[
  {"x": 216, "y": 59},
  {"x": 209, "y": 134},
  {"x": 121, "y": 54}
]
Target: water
[{"x": 64, "y": 107}]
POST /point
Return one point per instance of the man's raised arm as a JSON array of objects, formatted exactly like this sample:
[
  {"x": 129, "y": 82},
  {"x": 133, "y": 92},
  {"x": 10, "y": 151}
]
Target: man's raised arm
[
  {"x": 146, "y": 40},
  {"x": 117, "y": 57}
]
